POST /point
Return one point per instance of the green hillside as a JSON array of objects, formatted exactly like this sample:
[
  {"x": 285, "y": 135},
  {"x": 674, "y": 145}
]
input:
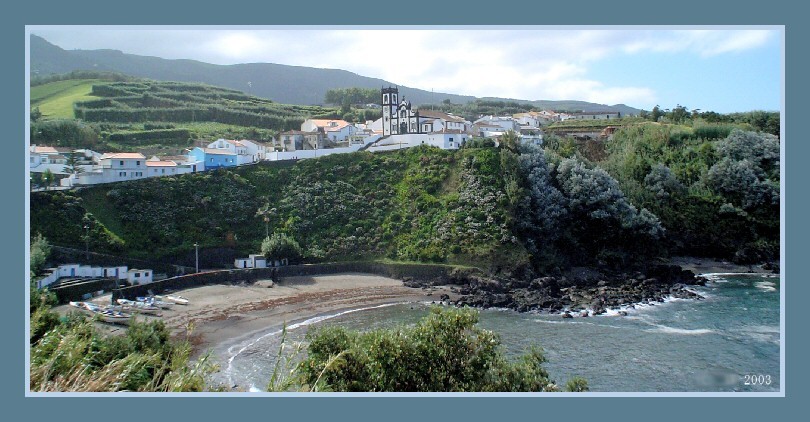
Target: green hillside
[
  {"x": 155, "y": 117},
  {"x": 55, "y": 100},
  {"x": 655, "y": 189}
]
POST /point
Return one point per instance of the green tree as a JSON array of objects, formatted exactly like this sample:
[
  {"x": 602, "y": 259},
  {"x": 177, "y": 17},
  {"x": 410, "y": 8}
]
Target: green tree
[
  {"x": 656, "y": 113},
  {"x": 280, "y": 246},
  {"x": 40, "y": 250},
  {"x": 446, "y": 351},
  {"x": 35, "y": 114},
  {"x": 265, "y": 212},
  {"x": 48, "y": 178},
  {"x": 73, "y": 164}
]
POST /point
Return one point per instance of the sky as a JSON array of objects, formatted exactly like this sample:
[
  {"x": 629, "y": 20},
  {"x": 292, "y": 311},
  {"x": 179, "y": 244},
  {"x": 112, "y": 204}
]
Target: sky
[{"x": 722, "y": 69}]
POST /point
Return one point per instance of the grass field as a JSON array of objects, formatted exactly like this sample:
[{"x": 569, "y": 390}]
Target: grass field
[{"x": 55, "y": 100}]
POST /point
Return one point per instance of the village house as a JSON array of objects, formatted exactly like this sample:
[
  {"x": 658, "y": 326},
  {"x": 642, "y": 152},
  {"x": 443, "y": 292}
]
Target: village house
[
  {"x": 591, "y": 115},
  {"x": 54, "y": 159},
  {"x": 246, "y": 151},
  {"x": 213, "y": 158},
  {"x": 73, "y": 271},
  {"x": 252, "y": 261},
  {"x": 332, "y": 130}
]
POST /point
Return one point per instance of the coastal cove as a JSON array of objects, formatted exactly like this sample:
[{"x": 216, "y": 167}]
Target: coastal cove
[{"x": 708, "y": 345}]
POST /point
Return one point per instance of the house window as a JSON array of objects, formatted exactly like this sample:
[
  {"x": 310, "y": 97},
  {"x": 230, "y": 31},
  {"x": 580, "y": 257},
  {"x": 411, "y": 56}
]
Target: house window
[
  {"x": 163, "y": 171},
  {"x": 212, "y": 160},
  {"x": 121, "y": 163},
  {"x": 137, "y": 275},
  {"x": 137, "y": 163}
]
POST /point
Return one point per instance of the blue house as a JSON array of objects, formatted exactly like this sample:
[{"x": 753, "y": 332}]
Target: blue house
[{"x": 213, "y": 158}]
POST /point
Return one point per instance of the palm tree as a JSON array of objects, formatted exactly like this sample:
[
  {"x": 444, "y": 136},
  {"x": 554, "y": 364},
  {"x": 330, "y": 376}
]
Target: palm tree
[{"x": 265, "y": 211}]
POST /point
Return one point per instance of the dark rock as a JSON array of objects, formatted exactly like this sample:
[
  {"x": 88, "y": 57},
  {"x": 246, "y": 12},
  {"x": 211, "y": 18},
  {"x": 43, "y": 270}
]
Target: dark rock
[
  {"x": 567, "y": 315},
  {"x": 584, "y": 314},
  {"x": 444, "y": 297},
  {"x": 622, "y": 313}
]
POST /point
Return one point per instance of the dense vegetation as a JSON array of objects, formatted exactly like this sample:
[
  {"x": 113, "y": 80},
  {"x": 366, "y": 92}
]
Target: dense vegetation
[
  {"x": 445, "y": 351},
  {"x": 71, "y": 354},
  {"x": 655, "y": 189}
]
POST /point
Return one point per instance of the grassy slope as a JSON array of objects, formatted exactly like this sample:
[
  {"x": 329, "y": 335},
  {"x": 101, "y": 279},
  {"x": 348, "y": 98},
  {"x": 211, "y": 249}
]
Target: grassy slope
[
  {"x": 409, "y": 205},
  {"x": 55, "y": 100}
]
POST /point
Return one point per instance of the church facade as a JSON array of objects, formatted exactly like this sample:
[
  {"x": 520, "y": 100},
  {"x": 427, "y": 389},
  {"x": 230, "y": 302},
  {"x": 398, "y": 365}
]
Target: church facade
[{"x": 398, "y": 117}]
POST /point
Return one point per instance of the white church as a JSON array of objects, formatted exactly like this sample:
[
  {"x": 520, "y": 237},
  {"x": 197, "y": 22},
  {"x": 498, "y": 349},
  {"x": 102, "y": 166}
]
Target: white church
[{"x": 404, "y": 127}]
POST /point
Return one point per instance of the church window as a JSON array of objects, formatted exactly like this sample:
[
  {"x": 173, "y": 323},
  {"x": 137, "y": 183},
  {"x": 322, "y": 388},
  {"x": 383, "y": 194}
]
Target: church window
[{"x": 385, "y": 98}]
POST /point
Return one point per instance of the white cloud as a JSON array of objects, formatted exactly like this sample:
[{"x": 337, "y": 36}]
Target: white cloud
[{"x": 518, "y": 63}]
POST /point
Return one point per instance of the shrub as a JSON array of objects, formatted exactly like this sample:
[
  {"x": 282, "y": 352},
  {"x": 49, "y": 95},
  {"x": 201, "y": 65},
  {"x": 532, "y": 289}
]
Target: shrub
[{"x": 445, "y": 351}]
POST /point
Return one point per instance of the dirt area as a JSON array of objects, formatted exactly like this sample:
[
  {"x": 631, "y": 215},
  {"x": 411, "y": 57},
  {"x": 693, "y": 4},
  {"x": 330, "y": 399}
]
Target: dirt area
[{"x": 220, "y": 313}]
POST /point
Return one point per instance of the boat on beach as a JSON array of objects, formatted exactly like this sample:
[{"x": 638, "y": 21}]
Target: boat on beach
[
  {"x": 180, "y": 300},
  {"x": 139, "y": 307},
  {"x": 106, "y": 314},
  {"x": 151, "y": 300}
]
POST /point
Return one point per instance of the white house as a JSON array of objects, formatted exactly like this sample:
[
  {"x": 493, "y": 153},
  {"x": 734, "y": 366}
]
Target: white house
[
  {"x": 245, "y": 154},
  {"x": 333, "y": 130},
  {"x": 252, "y": 261},
  {"x": 435, "y": 121},
  {"x": 506, "y": 123},
  {"x": 135, "y": 276},
  {"x": 116, "y": 167},
  {"x": 257, "y": 150},
  {"x": 157, "y": 167},
  {"x": 84, "y": 271},
  {"x": 591, "y": 115}
]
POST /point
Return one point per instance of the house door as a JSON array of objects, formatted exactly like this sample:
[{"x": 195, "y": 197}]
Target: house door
[{"x": 73, "y": 272}]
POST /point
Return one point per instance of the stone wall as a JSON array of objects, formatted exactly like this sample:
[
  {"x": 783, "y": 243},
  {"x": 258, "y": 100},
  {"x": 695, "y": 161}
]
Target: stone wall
[{"x": 250, "y": 275}]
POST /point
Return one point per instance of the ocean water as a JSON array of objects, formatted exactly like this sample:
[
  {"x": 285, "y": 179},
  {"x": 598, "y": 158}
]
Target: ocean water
[{"x": 727, "y": 342}]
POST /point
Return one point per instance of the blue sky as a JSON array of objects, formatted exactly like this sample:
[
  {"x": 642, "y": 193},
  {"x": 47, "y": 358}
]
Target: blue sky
[{"x": 724, "y": 70}]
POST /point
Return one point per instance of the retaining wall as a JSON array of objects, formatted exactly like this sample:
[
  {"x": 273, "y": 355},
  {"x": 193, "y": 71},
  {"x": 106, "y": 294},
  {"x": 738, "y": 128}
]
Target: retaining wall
[{"x": 250, "y": 275}]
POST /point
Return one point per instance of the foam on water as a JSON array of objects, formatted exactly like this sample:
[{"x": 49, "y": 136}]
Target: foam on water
[
  {"x": 310, "y": 321},
  {"x": 672, "y": 330},
  {"x": 766, "y": 285}
]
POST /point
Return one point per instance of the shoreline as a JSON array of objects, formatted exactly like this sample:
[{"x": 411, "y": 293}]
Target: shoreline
[
  {"x": 713, "y": 266},
  {"x": 221, "y": 316}
]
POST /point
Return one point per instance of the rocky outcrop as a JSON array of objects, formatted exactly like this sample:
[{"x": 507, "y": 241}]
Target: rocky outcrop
[{"x": 591, "y": 290}]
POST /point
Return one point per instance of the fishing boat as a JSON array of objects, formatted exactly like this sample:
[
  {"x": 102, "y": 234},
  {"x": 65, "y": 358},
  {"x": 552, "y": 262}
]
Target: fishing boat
[
  {"x": 150, "y": 300},
  {"x": 106, "y": 314},
  {"x": 180, "y": 300},
  {"x": 139, "y": 307},
  {"x": 114, "y": 317}
]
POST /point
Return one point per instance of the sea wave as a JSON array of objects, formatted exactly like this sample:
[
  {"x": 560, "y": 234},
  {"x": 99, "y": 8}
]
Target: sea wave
[
  {"x": 314, "y": 320},
  {"x": 672, "y": 330},
  {"x": 768, "y": 286}
]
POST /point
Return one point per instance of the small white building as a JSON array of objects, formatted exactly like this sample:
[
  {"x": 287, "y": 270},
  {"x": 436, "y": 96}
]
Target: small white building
[
  {"x": 116, "y": 167},
  {"x": 84, "y": 271},
  {"x": 135, "y": 276},
  {"x": 591, "y": 115},
  {"x": 245, "y": 153},
  {"x": 252, "y": 261},
  {"x": 335, "y": 130}
]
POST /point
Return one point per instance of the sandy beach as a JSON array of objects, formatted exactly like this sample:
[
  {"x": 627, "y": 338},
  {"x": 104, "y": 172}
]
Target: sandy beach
[{"x": 222, "y": 313}]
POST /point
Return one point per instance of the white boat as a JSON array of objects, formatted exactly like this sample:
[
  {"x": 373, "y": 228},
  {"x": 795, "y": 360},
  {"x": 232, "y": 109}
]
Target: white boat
[
  {"x": 180, "y": 300},
  {"x": 139, "y": 307},
  {"x": 150, "y": 300},
  {"x": 104, "y": 314},
  {"x": 114, "y": 317}
]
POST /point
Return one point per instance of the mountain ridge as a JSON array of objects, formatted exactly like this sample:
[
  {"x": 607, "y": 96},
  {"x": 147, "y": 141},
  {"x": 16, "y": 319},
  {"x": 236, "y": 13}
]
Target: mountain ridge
[{"x": 288, "y": 84}]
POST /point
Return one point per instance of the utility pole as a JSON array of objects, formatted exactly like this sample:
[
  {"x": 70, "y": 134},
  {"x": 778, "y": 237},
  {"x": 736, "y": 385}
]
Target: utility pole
[
  {"x": 196, "y": 257},
  {"x": 87, "y": 242}
]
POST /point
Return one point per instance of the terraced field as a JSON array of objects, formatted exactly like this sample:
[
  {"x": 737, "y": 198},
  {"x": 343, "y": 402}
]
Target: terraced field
[{"x": 55, "y": 100}]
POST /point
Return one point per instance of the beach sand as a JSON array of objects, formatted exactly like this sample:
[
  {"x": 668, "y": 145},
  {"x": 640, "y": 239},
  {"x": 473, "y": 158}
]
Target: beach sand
[{"x": 221, "y": 313}]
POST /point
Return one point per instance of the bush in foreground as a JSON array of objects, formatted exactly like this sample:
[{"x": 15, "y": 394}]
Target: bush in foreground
[{"x": 445, "y": 351}]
